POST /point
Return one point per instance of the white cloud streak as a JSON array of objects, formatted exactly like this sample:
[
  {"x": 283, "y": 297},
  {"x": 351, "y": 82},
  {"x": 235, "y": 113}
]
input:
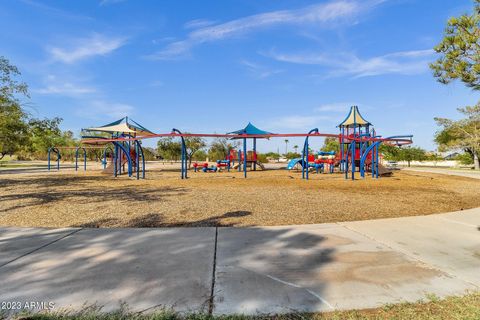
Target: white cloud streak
[
  {"x": 259, "y": 71},
  {"x": 99, "y": 109},
  {"x": 319, "y": 14},
  {"x": 83, "y": 48},
  {"x": 403, "y": 62}
]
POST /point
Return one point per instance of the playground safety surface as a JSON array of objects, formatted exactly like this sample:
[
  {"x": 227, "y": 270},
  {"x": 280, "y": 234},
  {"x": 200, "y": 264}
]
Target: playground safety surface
[
  {"x": 281, "y": 269},
  {"x": 273, "y": 197}
]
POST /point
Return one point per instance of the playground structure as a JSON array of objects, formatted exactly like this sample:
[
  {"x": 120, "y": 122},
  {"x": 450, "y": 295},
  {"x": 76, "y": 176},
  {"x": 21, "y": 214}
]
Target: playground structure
[
  {"x": 359, "y": 148},
  {"x": 126, "y": 156}
]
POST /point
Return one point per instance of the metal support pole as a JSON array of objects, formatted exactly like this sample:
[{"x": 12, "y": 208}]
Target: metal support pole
[
  {"x": 76, "y": 159},
  {"x": 244, "y": 157},
  {"x": 137, "y": 163},
  {"x": 255, "y": 154},
  {"x": 48, "y": 157}
]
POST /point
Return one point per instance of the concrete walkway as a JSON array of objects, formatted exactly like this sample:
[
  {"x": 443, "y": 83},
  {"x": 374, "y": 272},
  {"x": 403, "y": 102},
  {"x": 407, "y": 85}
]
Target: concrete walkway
[
  {"x": 462, "y": 173},
  {"x": 244, "y": 270}
]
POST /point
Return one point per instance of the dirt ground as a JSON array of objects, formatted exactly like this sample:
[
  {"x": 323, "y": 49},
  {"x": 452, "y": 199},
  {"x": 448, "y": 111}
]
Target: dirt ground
[{"x": 272, "y": 197}]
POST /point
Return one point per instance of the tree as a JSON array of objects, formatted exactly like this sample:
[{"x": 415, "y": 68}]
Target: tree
[
  {"x": 295, "y": 147},
  {"x": 459, "y": 60},
  {"x": 462, "y": 134},
  {"x": 273, "y": 155},
  {"x": 331, "y": 144},
  {"x": 286, "y": 146},
  {"x": 292, "y": 155},
  {"x": 169, "y": 149},
  {"x": 460, "y": 49},
  {"x": 220, "y": 147},
  {"x": 412, "y": 154},
  {"x": 13, "y": 120},
  {"x": 46, "y": 133},
  {"x": 408, "y": 154},
  {"x": 193, "y": 144}
]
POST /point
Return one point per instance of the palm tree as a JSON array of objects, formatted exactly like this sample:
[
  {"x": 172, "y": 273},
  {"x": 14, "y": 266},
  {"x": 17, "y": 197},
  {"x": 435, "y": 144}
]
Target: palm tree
[
  {"x": 286, "y": 146},
  {"x": 295, "y": 147}
]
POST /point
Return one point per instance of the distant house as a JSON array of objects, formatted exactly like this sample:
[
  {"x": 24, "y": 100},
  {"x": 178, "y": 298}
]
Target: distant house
[{"x": 449, "y": 156}]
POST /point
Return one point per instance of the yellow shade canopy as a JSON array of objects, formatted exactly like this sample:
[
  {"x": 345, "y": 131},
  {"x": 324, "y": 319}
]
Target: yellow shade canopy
[{"x": 354, "y": 119}]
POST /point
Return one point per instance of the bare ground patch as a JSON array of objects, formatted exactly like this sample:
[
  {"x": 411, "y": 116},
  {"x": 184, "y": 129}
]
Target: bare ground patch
[{"x": 275, "y": 197}]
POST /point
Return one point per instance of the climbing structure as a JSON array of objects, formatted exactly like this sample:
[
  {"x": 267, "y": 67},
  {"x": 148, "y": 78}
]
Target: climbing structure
[
  {"x": 127, "y": 152},
  {"x": 359, "y": 146}
]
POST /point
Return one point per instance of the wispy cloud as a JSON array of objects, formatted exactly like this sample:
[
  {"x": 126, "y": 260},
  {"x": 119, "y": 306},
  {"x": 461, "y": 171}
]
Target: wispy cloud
[
  {"x": 403, "y": 62},
  {"x": 65, "y": 89},
  {"x": 259, "y": 71},
  {"x": 198, "y": 23},
  {"x": 83, "y": 48},
  {"x": 319, "y": 14},
  {"x": 56, "y": 86},
  {"x": 335, "y": 107},
  {"x": 46, "y": 9},
  {"x": 109, "y": 2},
  {"x": 99, "y": 109}
]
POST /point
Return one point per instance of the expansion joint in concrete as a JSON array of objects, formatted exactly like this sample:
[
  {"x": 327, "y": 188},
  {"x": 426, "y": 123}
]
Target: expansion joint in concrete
[
  {"x": 41, "y": 247},
  {"x": 214, "y": 270}
]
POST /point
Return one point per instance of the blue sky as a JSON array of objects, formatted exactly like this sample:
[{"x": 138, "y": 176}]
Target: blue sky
[{"x": 212, "y": 66}]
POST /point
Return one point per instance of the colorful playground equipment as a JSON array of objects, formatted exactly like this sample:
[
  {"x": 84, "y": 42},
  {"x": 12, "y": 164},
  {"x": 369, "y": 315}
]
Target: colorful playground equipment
[
  {"x": 204, "y": 167},
  {"x": 324, "y": 159},
  {"x": 359, "y": 147},
  {"x": 126, "y": 155},
  {"x": 57, "y": 152}
]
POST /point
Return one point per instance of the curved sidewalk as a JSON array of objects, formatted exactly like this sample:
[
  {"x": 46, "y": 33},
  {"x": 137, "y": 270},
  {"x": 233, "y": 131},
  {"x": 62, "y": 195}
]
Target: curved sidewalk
[
  {"x": 245, "y": 270},
  {"x": 461, "y": 173}
]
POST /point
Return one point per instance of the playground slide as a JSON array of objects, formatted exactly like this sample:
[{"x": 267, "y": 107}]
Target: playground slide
[
  {"x": 249, "y": 163},
  {"x": 383, "y": 171},
  {"x": 292, "y": 163}
]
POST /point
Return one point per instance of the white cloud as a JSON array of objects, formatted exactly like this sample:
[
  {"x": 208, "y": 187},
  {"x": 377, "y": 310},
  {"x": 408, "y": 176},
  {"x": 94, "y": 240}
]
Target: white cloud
[
  {"x": 259, "y": 71},
  {"x": 318, "y": 14},
  {"x": 335, "y": 107},
  {"x": 198, "y": 23},
  {"x": 109, "y": 2},
  {"x": 83, "y": 48},
  {"x": 403, "y": 62},
  {"x": 99, "y": 109},
  {"x": 57, "y": 86},
  {"x": 65, "y": 89}
]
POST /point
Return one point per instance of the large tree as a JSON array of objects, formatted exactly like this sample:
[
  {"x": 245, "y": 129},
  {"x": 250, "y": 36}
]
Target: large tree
[
  {"x": 460, "y": 60},
  {"x": 462, "y": 134},
  {"x": 13, "y": 120}
]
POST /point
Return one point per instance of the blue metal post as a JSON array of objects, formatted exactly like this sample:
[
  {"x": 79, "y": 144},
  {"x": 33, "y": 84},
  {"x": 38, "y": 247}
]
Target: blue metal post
[
  {"x": 353, "y": 154},
  {"x": 48, "y": 157},
  {"x": 239, "y": 160},
  {"x": 137, "y": 163},
  {"x": 244, "y": 157},
  {"x": 58, "y": 160},
  {"x": 255, "y": 153},
  {"x": 76, "y": 159},
  {"x": 115, "y": 160}
]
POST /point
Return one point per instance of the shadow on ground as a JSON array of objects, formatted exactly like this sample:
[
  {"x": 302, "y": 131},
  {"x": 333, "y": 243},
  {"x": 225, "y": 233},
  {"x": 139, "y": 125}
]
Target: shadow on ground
[
  {"x": 153, "y": 220},
  {"x": 146, "y": 268}
]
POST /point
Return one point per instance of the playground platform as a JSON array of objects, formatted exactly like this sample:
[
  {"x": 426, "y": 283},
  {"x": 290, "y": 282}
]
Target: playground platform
[{"x": 244, "y": 270}]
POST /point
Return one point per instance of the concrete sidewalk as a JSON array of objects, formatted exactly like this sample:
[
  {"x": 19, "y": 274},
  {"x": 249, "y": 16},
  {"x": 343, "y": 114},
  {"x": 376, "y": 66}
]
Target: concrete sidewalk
[
  {"x": 460, "y": 173},
  {"x": 244, "y": 270}
]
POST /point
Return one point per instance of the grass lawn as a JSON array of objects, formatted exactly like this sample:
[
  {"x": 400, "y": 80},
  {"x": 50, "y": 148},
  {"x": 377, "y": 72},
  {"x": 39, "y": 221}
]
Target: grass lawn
[
  {"x": 465, "y": 307},
  {"x": 272, "y": 197}
]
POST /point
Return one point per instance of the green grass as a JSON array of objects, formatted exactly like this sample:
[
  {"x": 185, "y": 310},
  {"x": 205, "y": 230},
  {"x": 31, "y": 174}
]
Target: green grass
[{"x": 464, "y": 307}]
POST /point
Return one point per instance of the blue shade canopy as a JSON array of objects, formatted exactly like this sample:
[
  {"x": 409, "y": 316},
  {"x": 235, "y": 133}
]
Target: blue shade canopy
[
  {"x": 250, "y": 129},
  {"x": 124, "y": 125}
]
